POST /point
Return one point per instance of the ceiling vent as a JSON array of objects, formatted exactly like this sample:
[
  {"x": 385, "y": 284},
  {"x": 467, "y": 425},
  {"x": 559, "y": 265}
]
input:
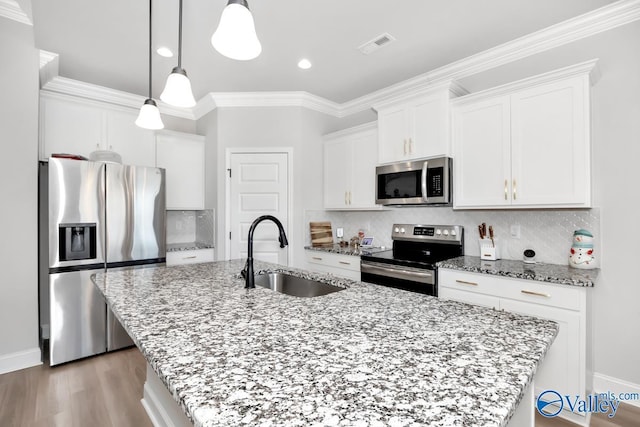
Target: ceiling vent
[{"x": 377, "y": 43}]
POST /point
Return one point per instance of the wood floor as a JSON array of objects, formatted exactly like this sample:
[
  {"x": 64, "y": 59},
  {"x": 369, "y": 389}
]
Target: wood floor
[
  {"x": 105, "y": 391},
  {"x": 99, "y": 391}
]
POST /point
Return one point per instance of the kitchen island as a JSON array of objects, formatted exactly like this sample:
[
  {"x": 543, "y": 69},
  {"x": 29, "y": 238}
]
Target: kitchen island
[{"x": 367, "y": 355}]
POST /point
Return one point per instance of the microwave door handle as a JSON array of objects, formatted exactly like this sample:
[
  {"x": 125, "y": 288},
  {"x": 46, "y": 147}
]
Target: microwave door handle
[{"x": 423, "y": 181}]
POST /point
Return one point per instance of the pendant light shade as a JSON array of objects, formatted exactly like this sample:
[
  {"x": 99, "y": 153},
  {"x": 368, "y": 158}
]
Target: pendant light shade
[
  {"x": 149, "y": 117},
  {"x": 236, "y": 36},
  {"x": 177, "y": 90}
]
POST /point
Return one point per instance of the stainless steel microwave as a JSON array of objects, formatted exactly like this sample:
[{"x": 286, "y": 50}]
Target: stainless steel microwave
[{"x": 418, "y": 182}]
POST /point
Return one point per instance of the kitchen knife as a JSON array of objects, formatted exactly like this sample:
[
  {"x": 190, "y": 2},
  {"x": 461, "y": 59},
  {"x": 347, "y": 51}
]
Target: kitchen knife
[{"x": 491, "y": 236}]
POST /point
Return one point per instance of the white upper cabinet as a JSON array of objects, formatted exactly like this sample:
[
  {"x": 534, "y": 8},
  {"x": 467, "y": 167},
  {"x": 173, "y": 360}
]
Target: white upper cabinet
[
  {"x": 77, "y": 126},
  {"x": 525, "y": 145},
  {"x": 350, "y": 158},
  {"x": 182, "y": 155},
  {"x": 417, "y": 126}
]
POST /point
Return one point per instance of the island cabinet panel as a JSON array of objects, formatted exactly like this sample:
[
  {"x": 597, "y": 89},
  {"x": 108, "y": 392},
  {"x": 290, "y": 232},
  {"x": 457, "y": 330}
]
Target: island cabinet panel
[
  {"x": 347, "y": 266},
  {"x": 416, "y": 126},
  {"x": 349, "y": 168},
  {"x": 78, "y": 126},
  {"x": 523, "y": 148},
  {"x": 182, "y": 155},
  {"x": 564, "y": 368}
]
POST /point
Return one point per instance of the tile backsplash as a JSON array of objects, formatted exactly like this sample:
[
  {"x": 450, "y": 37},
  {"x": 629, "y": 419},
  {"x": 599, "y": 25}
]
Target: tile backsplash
[
  {"x": 548, "y": 232},
  {"x": 190, "y": 226}
]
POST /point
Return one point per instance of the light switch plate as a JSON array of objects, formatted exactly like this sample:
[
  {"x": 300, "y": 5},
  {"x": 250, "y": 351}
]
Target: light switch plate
[
  {"x": 339, "y": 232},
  {"x": 515, "y": 231}
]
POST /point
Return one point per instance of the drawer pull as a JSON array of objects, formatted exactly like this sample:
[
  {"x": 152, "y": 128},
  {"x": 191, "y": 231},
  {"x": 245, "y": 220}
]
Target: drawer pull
[
  {"x": 316, "y": 258},
  {"x": 190, "y": 257},
  {"x": 344, "y": 262},
  {"x": 538, "y": 294},
  {"x": 466, "y": 283}
]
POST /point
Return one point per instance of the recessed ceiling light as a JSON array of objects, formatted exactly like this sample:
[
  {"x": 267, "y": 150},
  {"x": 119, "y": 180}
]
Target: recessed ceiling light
[
  {"x": 304, "y": 63},
  {"x": 164, "y": 51}
]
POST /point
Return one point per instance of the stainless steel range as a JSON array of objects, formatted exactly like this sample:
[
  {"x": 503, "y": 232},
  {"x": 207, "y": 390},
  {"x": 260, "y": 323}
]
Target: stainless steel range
[{"x": 410, "y": 265}]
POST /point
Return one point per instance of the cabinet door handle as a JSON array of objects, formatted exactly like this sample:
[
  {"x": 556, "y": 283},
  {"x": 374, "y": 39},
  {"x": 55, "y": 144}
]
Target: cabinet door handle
[
  {"x": 190, "y": 257},
  {"x": 316, "y": 258},
  {"x": 514, "y": 190},
  {"x": 464, "y": 282},
  {"x": 344, "y": 262},
  {"x": 506, "y": 192},
  {"x": 405, "y": 147},
  {"x": 538, "y": 294},
  {"x": 345, "y": 198}
]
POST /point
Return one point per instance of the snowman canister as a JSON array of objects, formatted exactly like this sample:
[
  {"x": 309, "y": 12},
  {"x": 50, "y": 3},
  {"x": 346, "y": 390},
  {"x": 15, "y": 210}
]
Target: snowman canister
[{"x": 582, "y": 250}]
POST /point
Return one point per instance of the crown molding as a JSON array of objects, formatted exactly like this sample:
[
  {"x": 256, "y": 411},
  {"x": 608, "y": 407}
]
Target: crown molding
[
  {"x": 587, "y": 68},
  {"x": 11, "y": 9},
  {"x": 63, "y": 85},
  {"x": 49, "y": 66},
  {"x": 603, "y": 19},
  {"x": 365, "y": 127}
]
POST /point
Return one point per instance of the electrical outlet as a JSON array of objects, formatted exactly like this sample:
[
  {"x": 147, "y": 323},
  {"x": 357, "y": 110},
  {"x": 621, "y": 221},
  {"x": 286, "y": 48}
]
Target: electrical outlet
[
  {"x": 339, "y": 232},
  {"x": 515, "y": 231}
]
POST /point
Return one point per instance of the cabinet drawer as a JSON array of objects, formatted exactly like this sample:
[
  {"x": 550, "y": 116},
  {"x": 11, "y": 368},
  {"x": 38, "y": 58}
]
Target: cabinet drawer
[
  {"x": 347, "y": 262},
  {"x": 189, "y": 257},
  {"x": 474, "y": 298},
  {"x": 562, "y": 296}
]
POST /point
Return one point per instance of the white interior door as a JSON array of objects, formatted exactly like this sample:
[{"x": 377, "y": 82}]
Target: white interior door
[{"x": 259, "y": 186}]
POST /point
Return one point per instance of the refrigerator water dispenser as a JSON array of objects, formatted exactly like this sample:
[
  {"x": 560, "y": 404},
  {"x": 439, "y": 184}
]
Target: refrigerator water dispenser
[{"x": 77, "y": 241}]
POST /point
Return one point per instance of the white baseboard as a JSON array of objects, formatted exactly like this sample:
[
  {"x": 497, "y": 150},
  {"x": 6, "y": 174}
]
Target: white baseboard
[
  {"x": 604, "y": 383},
  {"x": 20, "y": 360}
]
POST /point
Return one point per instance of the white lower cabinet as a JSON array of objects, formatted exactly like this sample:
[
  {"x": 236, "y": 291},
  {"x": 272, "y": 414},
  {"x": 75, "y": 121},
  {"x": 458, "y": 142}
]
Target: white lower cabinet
[
  {"x": 195, "y": 256},
  {"x": 347, "y": 266},
  {"x": 564, "y": 368}
]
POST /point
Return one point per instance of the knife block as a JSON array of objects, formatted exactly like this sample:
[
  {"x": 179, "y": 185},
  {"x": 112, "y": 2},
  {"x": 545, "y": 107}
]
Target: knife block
[{"x": 489, "y": 251}]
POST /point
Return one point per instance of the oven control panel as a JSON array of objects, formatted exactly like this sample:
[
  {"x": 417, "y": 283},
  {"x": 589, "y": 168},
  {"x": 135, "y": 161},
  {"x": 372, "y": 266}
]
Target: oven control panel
[{"x": 419, "y": 232}]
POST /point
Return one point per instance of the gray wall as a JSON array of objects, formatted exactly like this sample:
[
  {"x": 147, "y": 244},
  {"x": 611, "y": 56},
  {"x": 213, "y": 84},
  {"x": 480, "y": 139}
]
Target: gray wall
[
  {"x": 294, "y": 127},
  {"x": 18, "y": 192}
]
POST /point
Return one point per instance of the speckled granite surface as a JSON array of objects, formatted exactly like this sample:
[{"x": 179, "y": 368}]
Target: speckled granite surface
[
  {"x": 349, "y": 250},
  {"x": 365, "y": 356},
  {"x": 552, "y": 273},
  {"x": 188, "y": 246}
]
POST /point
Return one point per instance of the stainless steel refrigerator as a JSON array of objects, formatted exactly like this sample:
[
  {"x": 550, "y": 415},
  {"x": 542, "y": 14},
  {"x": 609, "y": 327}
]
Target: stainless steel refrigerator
[{"x": 93, "y": 216}]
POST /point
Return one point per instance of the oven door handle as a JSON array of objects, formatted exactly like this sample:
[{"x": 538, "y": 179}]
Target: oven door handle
[
  {"x": 404, "y": 274},
  {"x": 423, "y": 181}
]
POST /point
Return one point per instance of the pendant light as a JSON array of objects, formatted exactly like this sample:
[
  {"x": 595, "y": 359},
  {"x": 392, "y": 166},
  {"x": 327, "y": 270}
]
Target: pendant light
[
  {"x": 236, "y": 36},
  {"x": 177, "y": 91},
  {"x": 149, "y": 117}
]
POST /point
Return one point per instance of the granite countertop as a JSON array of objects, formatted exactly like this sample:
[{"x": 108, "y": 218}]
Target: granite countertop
[
  {"x": 188, "y": 246},
  {"x": 367, "y": 355},
  {"x": 347, "y": 250},
  {"x": 552, "y": 273}
]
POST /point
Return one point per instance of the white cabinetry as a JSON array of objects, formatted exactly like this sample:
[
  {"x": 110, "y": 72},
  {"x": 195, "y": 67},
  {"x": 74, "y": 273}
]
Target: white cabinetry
[
  {"x": 183, "y": 157},
  {"x": 78, "y": 126},
  {"x": 195, "y": 256},
  {"x": 417, "y": 126},
  {"x": 525, "y": 144},
  {"x": 340, "y": 265},
  {"x": 564, "y": 368},
  {"x": 349, "y": 168}
]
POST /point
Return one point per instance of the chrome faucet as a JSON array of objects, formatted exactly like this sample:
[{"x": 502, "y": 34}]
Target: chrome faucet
[{"x": 247, "y": 272}]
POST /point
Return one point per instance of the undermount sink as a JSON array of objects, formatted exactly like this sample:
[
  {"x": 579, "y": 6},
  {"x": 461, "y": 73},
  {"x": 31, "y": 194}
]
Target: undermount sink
[{"x": 295, "y": 286}]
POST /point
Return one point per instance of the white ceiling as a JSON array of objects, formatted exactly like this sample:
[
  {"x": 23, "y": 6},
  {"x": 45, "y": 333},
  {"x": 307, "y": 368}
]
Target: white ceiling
[{"x": 105, "y": 42}]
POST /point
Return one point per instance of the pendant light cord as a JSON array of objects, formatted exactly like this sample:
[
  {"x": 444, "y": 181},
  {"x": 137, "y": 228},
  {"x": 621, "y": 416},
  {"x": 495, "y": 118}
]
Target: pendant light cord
[
  {"x": 180, "y": 36},
  {"x": 150, "y": 48}
]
